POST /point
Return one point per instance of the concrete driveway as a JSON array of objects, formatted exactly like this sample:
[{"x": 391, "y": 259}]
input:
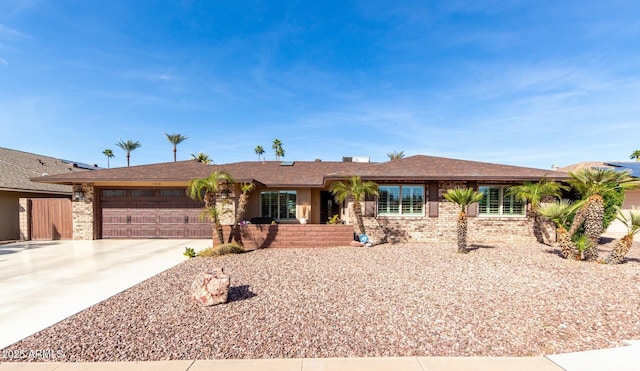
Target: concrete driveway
[{"x": 44, "y": 282}]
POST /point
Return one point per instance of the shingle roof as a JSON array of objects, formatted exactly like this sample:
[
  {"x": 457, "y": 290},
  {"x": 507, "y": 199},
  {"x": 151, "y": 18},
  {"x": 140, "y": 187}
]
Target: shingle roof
[
  {"x": 422, "y": 167},
  {"x": 311, "y": 173},
  {"x": 269, "y": 173},
  {"x": 17, "y": 167}
]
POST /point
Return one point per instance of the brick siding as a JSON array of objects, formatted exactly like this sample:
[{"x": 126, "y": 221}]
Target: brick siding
[
  {"x": 83, "y": 217},
  {"x": 294, "y": 235}
]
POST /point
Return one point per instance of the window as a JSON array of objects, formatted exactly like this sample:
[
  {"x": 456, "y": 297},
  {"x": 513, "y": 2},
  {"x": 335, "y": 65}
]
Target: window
[
  {"x": 143, "y": 192},
  {"x": 278, "y": 205},
  {"x": 172, "y": 193},
  {"x": 401, "y": 200},
  {"x": 496, "y": 202},
  {"x": 114, "y": 192}
]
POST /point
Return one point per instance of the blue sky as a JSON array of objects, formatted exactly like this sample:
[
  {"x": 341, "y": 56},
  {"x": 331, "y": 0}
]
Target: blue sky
[{"x": 530, "y": 83}]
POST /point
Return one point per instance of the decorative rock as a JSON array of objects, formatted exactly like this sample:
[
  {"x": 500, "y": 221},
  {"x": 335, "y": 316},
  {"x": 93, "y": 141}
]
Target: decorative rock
[
  {"x": 211, "y": 288},
  {"x": 356, "y": 244}
]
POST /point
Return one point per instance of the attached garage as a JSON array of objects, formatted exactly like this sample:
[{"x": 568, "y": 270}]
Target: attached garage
[{"x": 151, "y": 213}]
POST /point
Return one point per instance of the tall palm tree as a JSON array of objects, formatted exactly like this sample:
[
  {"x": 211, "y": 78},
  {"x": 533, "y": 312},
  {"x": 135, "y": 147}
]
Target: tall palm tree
[
  {"x": 277, "y": 147},
  {"x": 128, "y": 146},
  {"x": 534, "y": 193},
  {"x": 395, "y": 155},
  {"x": 175, "y": 139},
  {"x": 558, "y": 212},
  {"x": 202, "y": 157},
  {"x": 207, "y": 190},
  {"x": 259, "y": 151},
  {"x": 635, "y": 154},
  {"x": 593, "y": 184},
  {"x": 109, "y": 153},
  {"x": 353, "y": 187},
  {"x": 241, "y": 211},
  {"x": 624, "y": 244},
  {"x": 463, "y": 197}
]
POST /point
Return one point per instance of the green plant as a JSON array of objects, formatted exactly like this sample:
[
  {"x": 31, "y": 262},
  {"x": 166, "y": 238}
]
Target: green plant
[
  {"x": 462, "y": 197},
  {"x": 223, "y": 249},
  {"x": 335, "y": 219},
  {"x": 189, "y": 252},
  {"x": 355, "y": 189},
  {"x": 582, "y": 242}
]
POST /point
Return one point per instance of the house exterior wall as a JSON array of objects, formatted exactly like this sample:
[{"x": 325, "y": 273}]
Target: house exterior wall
[
  {"x": 442, "y": 228},
  {"x": 294, "y": 235},
  {"x": 84, "y": 214},
  {"x": 9, "y": 220}
]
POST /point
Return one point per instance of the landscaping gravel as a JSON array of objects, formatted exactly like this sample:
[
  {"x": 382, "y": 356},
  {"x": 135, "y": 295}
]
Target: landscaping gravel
[{"x": 387, "y": 300}]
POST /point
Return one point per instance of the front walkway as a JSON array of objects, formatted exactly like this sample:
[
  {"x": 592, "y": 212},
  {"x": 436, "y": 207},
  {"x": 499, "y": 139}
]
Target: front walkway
[{"x": 44, "y": 282}]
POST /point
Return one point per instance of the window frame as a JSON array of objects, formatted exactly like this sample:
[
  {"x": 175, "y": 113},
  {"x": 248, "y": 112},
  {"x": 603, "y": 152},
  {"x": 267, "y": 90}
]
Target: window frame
[
  {"x": 400, "y": 207},
  {"x": 501, "y": 204},
  {"x": 280, "y": 204}
]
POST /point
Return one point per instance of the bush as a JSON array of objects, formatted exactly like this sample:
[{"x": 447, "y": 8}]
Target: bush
[
  {"x": 189, "y": 252},
  {"x": 219, "y": 250}
]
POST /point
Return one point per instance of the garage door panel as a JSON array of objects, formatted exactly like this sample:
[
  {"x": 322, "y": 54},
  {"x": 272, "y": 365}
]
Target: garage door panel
[{"x": 139, "y": 214}]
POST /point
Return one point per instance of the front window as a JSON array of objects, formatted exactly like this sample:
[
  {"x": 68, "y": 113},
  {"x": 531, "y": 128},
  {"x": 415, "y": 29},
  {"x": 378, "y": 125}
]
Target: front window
[
  {"x": 401, "y": 200},
  {"x": 496, "y": 202},
  {"x": 278, "y": 204}
]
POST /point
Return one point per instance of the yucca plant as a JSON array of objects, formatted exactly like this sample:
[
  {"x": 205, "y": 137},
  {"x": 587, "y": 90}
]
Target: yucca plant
[
  {"x": 462, "y": 197},
  {"x": 624, "y": 244},
  {"x": 558, "y": 212},
  {"x": 593, "y": 184},
  {"x": 534, "y": 193}
]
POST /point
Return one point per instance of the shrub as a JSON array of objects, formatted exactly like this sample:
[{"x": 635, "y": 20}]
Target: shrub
[
  {"x": 335, "y": 219},
  {"x": 223, "y": 249},
  {"x": 189, "y": 252}
]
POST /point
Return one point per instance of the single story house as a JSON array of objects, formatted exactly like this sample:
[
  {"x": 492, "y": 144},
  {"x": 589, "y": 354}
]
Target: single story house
[
  {"x": 631, "y": 197},
  {"x": 149, "y": 201},
  {"x": 30, "y": 209}
]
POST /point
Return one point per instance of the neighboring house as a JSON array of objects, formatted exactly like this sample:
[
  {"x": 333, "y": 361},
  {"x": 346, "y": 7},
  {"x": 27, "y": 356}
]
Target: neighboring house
[
  {"x": 631, "y": 197},
  {"x": 149, "y": 201},
  {"x": 16, "y": 190}
]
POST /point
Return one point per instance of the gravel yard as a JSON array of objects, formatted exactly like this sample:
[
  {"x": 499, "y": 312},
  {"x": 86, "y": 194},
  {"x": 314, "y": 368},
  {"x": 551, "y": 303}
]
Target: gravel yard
[{"x": 388, "y": 300}]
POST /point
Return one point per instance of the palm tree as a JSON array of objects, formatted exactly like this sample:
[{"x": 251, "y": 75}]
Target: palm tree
[
  {"x": 635, "y": 154},
  {"x": 624, "y": 244},
  {"x": 259, "y": 151},
  {"x": 463, "y": 197},
  {"x": 246, "y": 188},
  {"x": 109, "y": 153},
  {"x": 128, "y": 146},
  {"x": 353, "y": 187},
  {"x": 395, "y": 155},
  {"x": 593, "y": 184},
  {"x": 534, "y": 193},
  {"x": 175, "y": 139},
  {"x": 207, "y": 190},
  {"x": 277, "y": 147},
  {"x": 558, "y": 212},
  {"x": 202, "y": 157}
]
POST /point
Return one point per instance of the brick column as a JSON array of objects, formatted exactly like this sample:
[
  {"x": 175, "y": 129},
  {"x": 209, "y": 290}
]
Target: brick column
[
  {"x": 24, "y": 213},
  {"x": 83, "y": 216}
]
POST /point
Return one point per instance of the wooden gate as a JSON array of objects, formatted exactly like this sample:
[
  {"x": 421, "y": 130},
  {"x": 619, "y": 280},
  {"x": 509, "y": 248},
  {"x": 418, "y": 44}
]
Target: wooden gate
[{"x": 51, "y": 219}]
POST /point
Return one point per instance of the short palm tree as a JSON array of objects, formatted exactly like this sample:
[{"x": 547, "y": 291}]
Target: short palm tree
[
  {"x": 128, "y": 146},
  {"x": 533, "y": 194},
  {"x": 109, "y": 153},
  {"x": 207, "y": 190},
  {"x": 624, "y": 244},
  {"x": 463, "y": 197},
  {"x": 259, "y": 151},
  {"x": 202, "y": 157},
  {"x": 395, "y": 155},
  {"x": 241, "y": 211},
  {"x": 635, "y": 154},
  {"x": 175, "y": 139},
  {"x": 558, "y": 213},
  {"x": 593, "y": 184},
  {"x": 356, "y": 189}
]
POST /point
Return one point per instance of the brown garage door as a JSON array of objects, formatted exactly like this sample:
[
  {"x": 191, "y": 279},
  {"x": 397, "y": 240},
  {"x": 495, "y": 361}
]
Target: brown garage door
[{"x": 151, "y": 213}]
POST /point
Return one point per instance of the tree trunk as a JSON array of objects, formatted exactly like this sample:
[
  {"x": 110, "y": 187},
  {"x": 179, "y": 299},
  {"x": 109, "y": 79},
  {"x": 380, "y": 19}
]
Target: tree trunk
[
  {"x": 174, "y": 154},
  {"x": 578, "y": 220},
  {"x": 240, "y": 213},
  {"x": 357, "y": 210},
  {"x": 593, "y": 225},
  {"x": 462, "y": 232},
  {"x": 620, "y": 250},
  {"x": 128, "y": 156},
  {"x": 568, "y": 249},
  {"x": 543, "y": 235}
]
